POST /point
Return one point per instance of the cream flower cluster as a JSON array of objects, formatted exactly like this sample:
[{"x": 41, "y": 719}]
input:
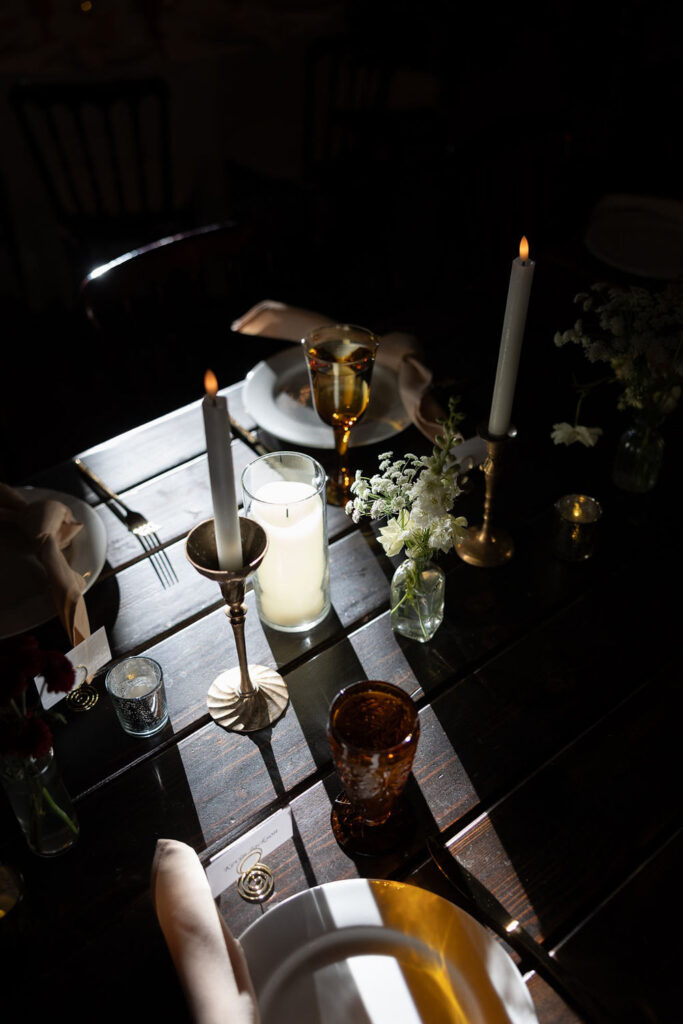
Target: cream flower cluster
[
  {"x": 638, "y": 333},
  {"x": 415, "y": 495}
]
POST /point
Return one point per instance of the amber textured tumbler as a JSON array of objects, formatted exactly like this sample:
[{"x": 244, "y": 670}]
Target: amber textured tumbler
[{"x": 373, "y": 729}]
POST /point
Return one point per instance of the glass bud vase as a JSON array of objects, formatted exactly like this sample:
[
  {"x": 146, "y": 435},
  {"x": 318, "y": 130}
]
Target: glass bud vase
[
  {"x": 40, "y": 802},
  {"x": 638, "y": 459},
  {"x": 417, "y": 599}
]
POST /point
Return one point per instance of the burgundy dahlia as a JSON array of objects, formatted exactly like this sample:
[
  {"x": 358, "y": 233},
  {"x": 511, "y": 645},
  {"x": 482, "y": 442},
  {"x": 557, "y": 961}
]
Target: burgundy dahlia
[{"x": 58, "y": 672}]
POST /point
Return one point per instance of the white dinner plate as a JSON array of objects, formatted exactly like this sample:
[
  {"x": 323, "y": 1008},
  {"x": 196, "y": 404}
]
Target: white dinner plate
[
  {"x": 277, "y": 394},
  {"x": 25, "y": 598},
  {"x": 380, "y": 952}
]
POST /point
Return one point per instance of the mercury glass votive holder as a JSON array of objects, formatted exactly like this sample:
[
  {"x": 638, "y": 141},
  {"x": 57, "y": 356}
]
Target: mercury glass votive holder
[
  {"x": 575, "y": 529},
  {"x": 136, "y": 690}
]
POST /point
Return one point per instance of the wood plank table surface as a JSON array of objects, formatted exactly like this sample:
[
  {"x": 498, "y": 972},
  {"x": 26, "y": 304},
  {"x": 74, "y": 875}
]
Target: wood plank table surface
[{"x": 549, "y": 702}]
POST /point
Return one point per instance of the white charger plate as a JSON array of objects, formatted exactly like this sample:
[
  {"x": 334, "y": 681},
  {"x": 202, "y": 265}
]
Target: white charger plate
[
  {"x": 25, "y": 598},
  {"x": 380, "y": 952},
  {"x": 277, "y": 394}
]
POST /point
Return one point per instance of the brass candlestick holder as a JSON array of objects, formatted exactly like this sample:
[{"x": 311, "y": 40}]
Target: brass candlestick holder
[
  {"x": 483, "y": 545},
  {"x": 249, "y": 697}
]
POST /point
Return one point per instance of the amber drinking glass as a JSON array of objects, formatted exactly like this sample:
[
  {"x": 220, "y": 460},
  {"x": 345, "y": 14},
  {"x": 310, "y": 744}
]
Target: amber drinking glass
[
  {"x": 340, "y": 359},
  {"x": 373, "y": 729}
]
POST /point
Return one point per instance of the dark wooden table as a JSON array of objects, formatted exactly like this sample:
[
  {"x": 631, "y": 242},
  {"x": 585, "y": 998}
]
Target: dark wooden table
[{"x": 550, "y": 717}]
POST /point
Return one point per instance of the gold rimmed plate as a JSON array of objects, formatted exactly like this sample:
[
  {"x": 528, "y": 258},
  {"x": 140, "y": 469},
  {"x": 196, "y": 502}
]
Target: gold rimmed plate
[{"x": 378, "y": 952}]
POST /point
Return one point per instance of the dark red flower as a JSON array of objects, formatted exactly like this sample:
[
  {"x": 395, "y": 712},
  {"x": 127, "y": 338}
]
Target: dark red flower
[
  {"x": 58, "y": 672},
  {"x": 25, "y": 737},
  {"x": 20, "y": 661}
]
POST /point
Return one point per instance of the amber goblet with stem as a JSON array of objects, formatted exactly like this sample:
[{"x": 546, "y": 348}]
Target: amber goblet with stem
[{"x": 340, "y": 359}]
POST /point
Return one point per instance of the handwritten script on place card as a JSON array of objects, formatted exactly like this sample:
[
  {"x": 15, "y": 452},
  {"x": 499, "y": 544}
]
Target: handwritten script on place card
[{"x": 224, "y": 869}]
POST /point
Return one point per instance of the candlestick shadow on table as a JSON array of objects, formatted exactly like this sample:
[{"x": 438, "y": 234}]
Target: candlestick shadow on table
[
  {"x": 248, "y": 697},
  {"x": 489, "y": 545}
]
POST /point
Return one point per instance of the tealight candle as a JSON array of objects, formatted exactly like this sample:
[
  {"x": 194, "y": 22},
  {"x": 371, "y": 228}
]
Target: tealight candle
[
  {"x": 576, "y": 520},
  {"x": 519, "y": 289}
]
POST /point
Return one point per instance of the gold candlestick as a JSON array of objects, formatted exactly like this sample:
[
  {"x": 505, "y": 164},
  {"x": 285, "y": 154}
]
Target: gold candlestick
[
  {"x": 483, "y": 545},
  {"x": 249, "y": 697}
]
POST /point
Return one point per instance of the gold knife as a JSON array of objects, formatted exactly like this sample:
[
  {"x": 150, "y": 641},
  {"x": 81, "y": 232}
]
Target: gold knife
[{"x": 249, "y": 439}]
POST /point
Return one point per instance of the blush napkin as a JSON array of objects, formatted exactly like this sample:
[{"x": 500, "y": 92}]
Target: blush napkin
[
  {"x": 398, "y": 351},
  {"x": 208, "y": 959},
  {"x": 49, "y": 526}
]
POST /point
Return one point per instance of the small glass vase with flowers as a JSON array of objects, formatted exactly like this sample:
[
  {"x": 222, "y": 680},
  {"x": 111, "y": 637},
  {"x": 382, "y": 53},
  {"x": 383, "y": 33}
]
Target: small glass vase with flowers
[
  {"x": 28, "y": 770},
  {"x": 638, "y": 334},
  {"x": 416, "y": 495}
]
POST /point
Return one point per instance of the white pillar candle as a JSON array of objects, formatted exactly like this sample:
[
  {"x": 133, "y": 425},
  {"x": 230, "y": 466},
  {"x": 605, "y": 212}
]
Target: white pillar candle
[
  {"x": 291, "y": 577},
  {"x": 221, "y": 475},
  {"x": 521, "y": 276}
]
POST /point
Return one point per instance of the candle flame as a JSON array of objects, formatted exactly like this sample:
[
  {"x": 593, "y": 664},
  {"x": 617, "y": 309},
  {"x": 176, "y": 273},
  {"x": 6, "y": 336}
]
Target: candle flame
[
  {"x": 524, "y": 249},
  {"x": 210, "y": 384}
]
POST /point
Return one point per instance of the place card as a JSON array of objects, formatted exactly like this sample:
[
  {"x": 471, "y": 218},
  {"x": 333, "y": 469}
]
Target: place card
[
  {"x": 93, "y": 652},
  {"x": 225, "y": 868}
]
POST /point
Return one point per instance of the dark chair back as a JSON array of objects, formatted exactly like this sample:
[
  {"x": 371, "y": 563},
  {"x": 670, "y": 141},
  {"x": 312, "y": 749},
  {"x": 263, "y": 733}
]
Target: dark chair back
[
  {"x": 161, "y": 314},
  {"x": 103, "y": 153}
]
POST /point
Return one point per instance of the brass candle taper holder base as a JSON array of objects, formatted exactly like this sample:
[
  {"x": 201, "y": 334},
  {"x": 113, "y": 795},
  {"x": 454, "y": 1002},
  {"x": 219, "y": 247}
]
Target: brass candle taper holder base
[
  {"x": 486, "y": 546},
  {"x": 249, "y": 697}
]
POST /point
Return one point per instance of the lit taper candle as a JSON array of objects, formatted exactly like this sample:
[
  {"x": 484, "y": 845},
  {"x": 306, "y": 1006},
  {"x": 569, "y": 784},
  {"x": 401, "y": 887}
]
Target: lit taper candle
[
  {"x": 521, "y": 276},
  {"x": 217, "y": 430}
]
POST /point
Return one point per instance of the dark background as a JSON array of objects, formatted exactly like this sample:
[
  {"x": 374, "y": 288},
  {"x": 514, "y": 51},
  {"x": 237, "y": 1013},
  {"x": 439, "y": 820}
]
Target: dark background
[{"x": 398, "y": 204}]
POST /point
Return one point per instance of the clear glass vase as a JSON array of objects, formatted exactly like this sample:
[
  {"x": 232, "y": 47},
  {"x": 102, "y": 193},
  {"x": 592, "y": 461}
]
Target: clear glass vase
[
  {"x": 40, "y": 802},
  {"x": 417, "y": 599},
  {"x": 638, "y": 459}
]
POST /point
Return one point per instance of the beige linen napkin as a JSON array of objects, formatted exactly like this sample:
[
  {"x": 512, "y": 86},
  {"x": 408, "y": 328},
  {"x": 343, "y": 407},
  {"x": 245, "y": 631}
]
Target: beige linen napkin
[
  {"x": 50, "y": 527},
  {"x": 209, "y": 960},
  {"x": 400, "y": 352}
]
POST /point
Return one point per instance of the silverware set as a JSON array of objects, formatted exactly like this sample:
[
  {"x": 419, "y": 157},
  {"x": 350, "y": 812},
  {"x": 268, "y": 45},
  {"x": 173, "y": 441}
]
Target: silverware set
[{"x": 138, "y": 524}]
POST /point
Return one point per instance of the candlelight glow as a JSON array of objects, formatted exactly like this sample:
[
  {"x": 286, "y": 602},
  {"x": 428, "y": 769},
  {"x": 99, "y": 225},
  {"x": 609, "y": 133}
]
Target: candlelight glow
[
  {"x": 524, "y": 249},
  {"x": 210, "y": 384}
]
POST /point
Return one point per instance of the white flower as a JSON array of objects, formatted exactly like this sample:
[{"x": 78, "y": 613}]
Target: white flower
[
  {"x": 392, "y": 537},
  {"x": 565, "y": 433}
]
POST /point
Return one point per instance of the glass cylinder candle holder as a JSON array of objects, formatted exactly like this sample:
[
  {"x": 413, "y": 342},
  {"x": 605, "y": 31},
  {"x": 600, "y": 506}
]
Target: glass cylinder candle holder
[
  {"x": 576, "y": 522},
  {"x": 284, "y": 492}
]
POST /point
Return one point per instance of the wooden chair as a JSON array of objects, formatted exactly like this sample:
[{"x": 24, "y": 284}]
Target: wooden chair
[
  {"x": 103, "y": 153},
  {"x": 161, "y": 314}
]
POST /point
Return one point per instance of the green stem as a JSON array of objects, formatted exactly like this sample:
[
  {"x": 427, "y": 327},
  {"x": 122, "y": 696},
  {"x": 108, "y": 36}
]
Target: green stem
[
  {"x": 422, "y": 626},
  {"x": 58, "y": 811}
]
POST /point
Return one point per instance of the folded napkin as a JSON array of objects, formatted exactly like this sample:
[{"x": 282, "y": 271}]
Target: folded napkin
[
  {"x": 400, "y": 352},
  {"x": 209, "y": 960},
  {"x": 49, "y": 526}
]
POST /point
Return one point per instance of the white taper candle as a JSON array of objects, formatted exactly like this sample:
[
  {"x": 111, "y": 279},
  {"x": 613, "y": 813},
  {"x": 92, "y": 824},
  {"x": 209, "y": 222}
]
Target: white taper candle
[
  {"x": 221, "y": 475},
  {"x": 521, "y": 276}
]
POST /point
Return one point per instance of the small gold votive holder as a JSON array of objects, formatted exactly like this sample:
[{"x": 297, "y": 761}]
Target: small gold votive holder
[{"x": 576, "y": 523}]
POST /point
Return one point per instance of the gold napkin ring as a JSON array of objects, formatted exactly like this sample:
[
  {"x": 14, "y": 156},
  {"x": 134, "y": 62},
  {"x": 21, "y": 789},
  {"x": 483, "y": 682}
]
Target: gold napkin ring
[
  {"x": 256, "y": 881},
  {"x": 84, "y": 696}
]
